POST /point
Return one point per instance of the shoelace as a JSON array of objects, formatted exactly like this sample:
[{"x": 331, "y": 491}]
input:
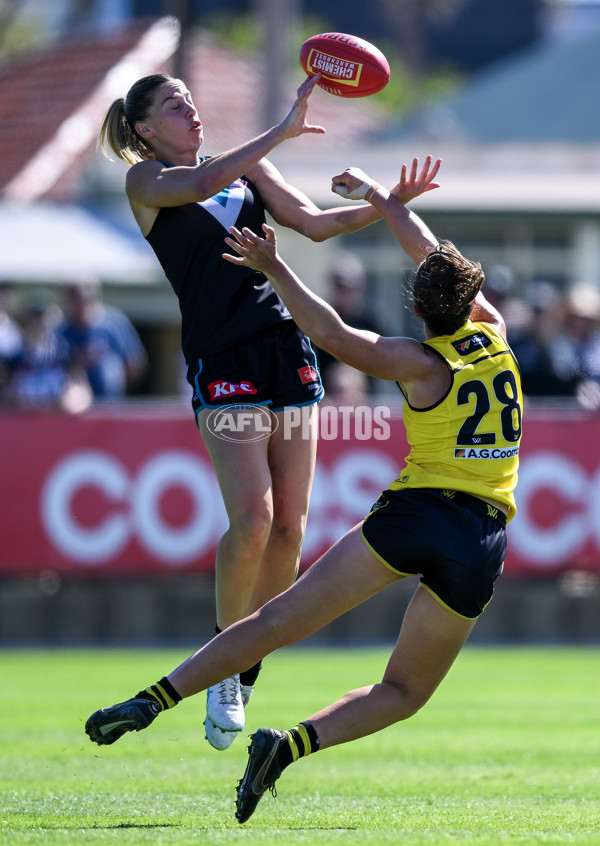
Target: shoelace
[
  {"x": 228, "y": 696},
  {"x": 270, "y": 787}
]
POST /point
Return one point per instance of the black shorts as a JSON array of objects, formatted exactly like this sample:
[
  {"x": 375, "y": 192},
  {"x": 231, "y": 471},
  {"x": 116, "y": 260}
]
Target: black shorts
[
  {"x": 276, "y": 367},
  {"x": 454, "y": 541}
]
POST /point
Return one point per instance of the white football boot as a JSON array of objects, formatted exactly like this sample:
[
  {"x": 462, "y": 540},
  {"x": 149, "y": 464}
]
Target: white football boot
[
  {"x": 246, "y": 691},
  {"x": 225, "y": 716}
]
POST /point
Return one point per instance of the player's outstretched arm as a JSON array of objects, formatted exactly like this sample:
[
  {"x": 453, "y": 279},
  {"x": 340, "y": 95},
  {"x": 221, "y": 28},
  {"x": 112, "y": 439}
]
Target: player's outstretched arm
[
  {"x": 413, "y": 235},
  {"x": 312, "y": 314},
  {"x": 292, "y": 208},
  {"x": 150, "y": 183},
  {"x": 387, "y": 358}
]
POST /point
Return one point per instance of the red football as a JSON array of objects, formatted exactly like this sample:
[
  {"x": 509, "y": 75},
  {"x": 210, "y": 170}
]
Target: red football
[{"x": 350, "y": 66}]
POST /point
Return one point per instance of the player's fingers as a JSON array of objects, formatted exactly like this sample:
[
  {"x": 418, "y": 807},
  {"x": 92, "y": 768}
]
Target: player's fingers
[
  {"x": 242, "y": 238},
  {"x": 339, "y": 188},
  {"x": 250, "y": 236},
  {"x": 423, "y": 175},
  {"x": 240, "y": 241},
  {"x": 340, "y": 178},
  {"x": 235, "y": 245},
  {"x": 307, "y": 86},
  {"x": 234, "y": 231},
  {"x": 340, "y": 184},
  {"x": 233, "y": 259},
  {"x": 432, "y": 172}
]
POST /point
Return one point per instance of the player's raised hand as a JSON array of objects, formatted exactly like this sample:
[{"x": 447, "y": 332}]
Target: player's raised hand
[
  {"x": 252, "y": 250},
  {"x": 353, "y": 184},
  {"x": 295, "y": 123},
  {"x": 416, "y": 182}
]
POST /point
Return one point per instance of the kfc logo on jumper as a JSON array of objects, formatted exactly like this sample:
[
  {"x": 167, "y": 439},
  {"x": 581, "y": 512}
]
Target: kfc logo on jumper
[
  {"x": 222, "y": 389},
  {"x": 308, "y": 374}
]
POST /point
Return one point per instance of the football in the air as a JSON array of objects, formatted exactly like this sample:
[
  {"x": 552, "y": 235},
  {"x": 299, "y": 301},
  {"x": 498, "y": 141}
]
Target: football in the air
[{"x": 349, "y": 66}]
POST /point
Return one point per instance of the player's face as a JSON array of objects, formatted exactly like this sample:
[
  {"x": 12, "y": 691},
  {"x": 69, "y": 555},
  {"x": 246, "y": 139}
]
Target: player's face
[{"x": 173, "y": 117}]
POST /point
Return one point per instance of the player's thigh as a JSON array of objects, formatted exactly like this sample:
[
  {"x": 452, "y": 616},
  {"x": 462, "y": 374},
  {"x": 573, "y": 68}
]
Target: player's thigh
[
  {"x": 344, "y": 577},
  {"x": 431, "y": 636},
  {"x": 242, "y": 469},
  {"x": 292, "y": 455}
]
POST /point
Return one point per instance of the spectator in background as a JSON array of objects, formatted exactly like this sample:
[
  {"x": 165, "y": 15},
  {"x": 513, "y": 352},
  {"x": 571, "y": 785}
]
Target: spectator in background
[
  {"x": 583, "y": 342},
  {"x": 43, "y": 375},
  {"x": 348, "y": 289},
  {"x": 346, "y": 385},
  {"x": 500, "y": 290},
  {"x": 10, "y": 342},
  {"x": 499, "y": 285},
  {"x": 103, "y": 341},
  {"x": 541, "y": 346}
]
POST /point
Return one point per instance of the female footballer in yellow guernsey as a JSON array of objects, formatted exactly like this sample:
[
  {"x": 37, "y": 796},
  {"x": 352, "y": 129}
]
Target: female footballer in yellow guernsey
[{"x": 443, "y": 520}]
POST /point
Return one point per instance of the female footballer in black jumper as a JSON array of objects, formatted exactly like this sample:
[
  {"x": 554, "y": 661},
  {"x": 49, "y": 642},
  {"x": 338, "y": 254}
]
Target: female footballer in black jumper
[
  {"x": 443, "y": 519},
  {"x": 240, "y": 344}
]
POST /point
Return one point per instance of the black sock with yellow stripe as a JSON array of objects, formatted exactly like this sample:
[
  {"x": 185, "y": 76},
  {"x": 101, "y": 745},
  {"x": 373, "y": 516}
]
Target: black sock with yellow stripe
[
  {"x": 162, "y": 692},
  {"x": 302, "y": 740}
]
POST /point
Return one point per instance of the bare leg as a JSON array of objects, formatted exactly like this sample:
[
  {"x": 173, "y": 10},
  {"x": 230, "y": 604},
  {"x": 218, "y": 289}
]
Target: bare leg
[
  {"x": 245, "y": 482},
  {"x": 430, "y": 639},
  {"x": 292, "y": 466},
  {"x": 345, "y": 576},
  {"x": 265, "y": 486}
]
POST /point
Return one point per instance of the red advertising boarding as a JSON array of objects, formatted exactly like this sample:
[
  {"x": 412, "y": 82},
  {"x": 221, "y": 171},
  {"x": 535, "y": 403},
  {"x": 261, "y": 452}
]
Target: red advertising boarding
[{"x": 129, "y": 490}]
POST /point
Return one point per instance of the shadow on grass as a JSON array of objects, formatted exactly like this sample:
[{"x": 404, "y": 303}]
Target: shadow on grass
[{"x": 131, "y": 825}]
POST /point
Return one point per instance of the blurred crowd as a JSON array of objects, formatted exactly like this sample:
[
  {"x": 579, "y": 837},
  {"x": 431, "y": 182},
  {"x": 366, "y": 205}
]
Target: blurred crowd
[
  {"x": 555, "y": 336},
  {"x": 78, "y": 351},
  {"x": 554, "y": 333},
  {"x": 348, "y": 294},
  {"x": 66, "y": 355}
]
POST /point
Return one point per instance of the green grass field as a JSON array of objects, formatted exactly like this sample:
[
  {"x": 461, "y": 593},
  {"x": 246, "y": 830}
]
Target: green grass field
[{"x": 507, "y": 752}]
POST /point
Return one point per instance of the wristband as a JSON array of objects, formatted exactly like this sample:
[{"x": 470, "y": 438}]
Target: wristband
[{"x": 369, "y": 193}]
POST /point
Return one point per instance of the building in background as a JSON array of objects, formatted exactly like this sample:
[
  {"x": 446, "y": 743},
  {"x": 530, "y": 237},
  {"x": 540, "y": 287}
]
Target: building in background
[{"x": 516, "y": 187}]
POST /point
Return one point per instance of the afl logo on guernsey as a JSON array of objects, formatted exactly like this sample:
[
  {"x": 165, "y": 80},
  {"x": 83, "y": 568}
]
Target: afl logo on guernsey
[{"x": 469, "y": 345}]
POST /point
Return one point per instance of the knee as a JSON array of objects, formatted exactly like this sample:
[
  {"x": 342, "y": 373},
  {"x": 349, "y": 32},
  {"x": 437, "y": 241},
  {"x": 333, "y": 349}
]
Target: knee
[
  {"x": 288, "y": 532},
  {"x": 251, "y": 526},
  {"x": 407, "y": 699}
]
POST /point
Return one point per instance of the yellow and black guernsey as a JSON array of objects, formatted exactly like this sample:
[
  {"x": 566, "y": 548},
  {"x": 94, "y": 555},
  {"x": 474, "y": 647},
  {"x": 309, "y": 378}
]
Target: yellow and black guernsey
[{"x": 469, "y": 440}]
